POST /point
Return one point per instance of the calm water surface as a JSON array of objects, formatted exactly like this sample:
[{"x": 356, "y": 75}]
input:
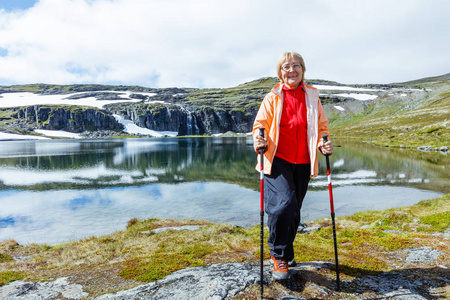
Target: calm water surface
[{"x": 60, "y": 190}]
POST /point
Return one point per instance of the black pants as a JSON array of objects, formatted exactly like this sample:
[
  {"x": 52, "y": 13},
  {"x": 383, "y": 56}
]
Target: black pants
[{"x": 284, "y": 191}]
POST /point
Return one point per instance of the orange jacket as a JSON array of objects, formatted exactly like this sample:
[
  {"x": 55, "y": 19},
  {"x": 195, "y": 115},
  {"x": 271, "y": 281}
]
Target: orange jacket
[{"x": 269, "y": 116}]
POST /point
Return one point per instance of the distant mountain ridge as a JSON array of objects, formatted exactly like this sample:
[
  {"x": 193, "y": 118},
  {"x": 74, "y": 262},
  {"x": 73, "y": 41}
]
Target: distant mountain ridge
[
  {"x": 441, "y": 78},
  {"x": 191, "y": 111}
]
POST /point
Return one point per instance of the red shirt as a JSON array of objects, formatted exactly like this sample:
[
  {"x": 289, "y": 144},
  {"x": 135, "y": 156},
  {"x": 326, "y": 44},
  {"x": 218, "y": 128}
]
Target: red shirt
[{"x": 293, "y": 139}]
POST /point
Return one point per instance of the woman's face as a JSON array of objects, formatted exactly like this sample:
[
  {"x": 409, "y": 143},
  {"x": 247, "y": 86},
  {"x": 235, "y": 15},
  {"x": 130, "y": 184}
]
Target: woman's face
[{"x": 291, "y": 73}]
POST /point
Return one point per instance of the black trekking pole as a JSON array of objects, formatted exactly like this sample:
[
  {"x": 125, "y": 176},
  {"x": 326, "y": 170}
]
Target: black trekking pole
[
  {"x": 261, "y": 164},
  {"x": 330, "y": 189}
]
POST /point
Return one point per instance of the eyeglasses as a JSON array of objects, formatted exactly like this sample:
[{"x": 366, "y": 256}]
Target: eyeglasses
[{"x": 287, "y": 67}]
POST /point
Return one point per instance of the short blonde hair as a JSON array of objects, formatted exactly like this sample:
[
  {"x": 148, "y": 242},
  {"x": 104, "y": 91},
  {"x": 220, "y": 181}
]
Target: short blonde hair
[{"x": 286, "y": 56}]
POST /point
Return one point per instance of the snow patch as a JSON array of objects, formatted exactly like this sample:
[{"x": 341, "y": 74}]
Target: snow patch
[
  {"x": 27, "y": 99},
  {"x": 10, "y": 136},
  {"x": 344, "y": 88},
  {"x": 362, "y": 97},
  {"x": 132, "y": 128},
  {"x": 58, "y": 133}
]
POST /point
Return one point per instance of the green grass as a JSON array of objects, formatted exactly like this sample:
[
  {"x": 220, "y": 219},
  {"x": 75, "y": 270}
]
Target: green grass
[
  {"x": 157, "y": 266},
  {"x": 5, "y": 257},
  {"x": 9, "y": 276},
  {"x": 438, "y": 222}
]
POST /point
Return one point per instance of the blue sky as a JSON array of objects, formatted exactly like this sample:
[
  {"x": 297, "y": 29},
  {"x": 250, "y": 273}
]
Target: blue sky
[
  {"x": 206, "y": 43},
  {"x": 10, "y": 5}
]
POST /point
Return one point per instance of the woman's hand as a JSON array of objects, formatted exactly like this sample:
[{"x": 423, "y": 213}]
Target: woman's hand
[
  {"x": 327, "y": 148},
  {"x": 260, "y": 142}
]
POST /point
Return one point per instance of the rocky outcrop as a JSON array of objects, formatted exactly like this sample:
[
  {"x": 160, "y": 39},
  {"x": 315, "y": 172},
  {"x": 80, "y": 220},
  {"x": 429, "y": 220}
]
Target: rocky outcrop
[
  {"x": 218, "y": 281},
  {"x": 189, "y": 111},
  {"x": 186, "y": 120},
  {"x": 42, "y": 290},
  {"x": 69, "y": 118},
  {"x": 228, "y": 280}
]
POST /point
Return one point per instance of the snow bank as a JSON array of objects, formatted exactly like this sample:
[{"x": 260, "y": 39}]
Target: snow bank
[
  {"x": 10, "y": 136},
  {"x": 362, "y": 97},
  {"x": 132, "y": 128},
  {"x": 27, "y": 99},
  {"x": 344, "y": 88},
  {"x": 58, "y": 133}
]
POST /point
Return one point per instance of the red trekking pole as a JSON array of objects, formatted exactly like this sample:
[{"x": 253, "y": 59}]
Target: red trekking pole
[
  {"x": 330, "y": 189},
  {"x": 261, "y": 164}
]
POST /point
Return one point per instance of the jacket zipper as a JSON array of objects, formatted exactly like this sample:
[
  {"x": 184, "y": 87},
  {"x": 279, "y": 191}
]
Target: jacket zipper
[
  {"x": 279, "y": 121},
  {"x": 297, "y": 125}
]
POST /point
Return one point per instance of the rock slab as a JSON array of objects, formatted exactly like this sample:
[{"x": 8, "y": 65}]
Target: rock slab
[
  {"x": 423, "y": 254},
  {"x": 218, "y": 281},
  {"x": 42, "y": 290}
]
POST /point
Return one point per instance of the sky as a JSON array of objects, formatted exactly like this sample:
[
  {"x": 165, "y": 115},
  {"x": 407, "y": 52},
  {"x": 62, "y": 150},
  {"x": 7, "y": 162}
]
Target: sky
[{"x": 219, "y": 44}]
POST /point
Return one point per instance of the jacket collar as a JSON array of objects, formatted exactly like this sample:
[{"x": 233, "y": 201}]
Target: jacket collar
[{"x": 308, "y": 89}]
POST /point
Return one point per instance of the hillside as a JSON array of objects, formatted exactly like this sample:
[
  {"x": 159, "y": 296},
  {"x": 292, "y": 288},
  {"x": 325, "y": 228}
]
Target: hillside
[
  {"x": 419, "y": 117},
  {"x": 408, "y": 114}
]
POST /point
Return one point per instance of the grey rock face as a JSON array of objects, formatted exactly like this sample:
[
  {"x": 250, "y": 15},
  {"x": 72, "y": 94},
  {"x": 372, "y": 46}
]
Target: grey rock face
[
  {"x": 209, "y": 282},
  {"x": 385, "y": 283},
  {"x": 184, "y": 119},
  {"x": 72, "y": 120},
  {"x": 405, "y": 294},
  {"x": 42, "y": 290}
]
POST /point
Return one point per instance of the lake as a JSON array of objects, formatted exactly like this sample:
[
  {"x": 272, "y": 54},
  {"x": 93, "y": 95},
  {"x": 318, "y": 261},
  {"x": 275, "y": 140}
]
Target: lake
[{"x": 53, "y": 191}]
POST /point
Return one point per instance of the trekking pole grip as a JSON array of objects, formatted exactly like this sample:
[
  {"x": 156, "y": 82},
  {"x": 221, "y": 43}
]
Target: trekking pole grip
[
  {"x": 261, "y": 133},
  {"x": 325, "y": 139}
]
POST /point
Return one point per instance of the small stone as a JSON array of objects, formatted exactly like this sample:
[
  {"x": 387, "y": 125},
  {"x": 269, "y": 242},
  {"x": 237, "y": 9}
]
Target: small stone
[
  {"x": 424, "y": 148},
  {"x": 392, "y": 231},
  {"x": 310, "y": 229},
  {"x": 423, "y": 254}
]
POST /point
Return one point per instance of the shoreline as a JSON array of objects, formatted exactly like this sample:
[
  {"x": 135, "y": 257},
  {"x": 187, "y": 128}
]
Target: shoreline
[{"x": 371, "y": 243}]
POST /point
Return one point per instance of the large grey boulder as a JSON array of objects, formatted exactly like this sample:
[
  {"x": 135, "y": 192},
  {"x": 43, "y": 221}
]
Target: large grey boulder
[
  {"x": 42, "y": 290},
  {"x": 218, "y": 281}
]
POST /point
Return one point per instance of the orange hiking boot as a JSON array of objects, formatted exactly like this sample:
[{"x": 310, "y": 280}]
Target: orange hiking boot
[{"x": 280, "y": 269}]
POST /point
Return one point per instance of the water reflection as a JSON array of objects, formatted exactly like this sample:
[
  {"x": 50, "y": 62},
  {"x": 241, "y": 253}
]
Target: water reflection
[
  {"x": 54, "y": 191},
  {"x": 63, "y": 215}
]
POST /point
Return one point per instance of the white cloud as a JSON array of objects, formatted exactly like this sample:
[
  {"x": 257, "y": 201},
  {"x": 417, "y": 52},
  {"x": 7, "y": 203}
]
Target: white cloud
[{"x": 221, "y": 43}]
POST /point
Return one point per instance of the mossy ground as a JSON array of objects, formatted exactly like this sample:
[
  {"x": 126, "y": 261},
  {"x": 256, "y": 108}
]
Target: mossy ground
[{"x": 136, "y": 255}]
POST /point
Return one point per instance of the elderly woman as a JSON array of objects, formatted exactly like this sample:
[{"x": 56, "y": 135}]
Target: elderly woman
[{"x": 294, "y": 122}]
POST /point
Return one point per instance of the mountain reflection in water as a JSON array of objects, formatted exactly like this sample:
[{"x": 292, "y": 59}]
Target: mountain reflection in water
[{"x": 60, "y": 190}]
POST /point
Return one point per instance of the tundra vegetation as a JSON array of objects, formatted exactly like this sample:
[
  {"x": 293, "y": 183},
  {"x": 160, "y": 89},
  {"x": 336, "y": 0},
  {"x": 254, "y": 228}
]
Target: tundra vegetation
[{"x": 370, "y": 243}]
